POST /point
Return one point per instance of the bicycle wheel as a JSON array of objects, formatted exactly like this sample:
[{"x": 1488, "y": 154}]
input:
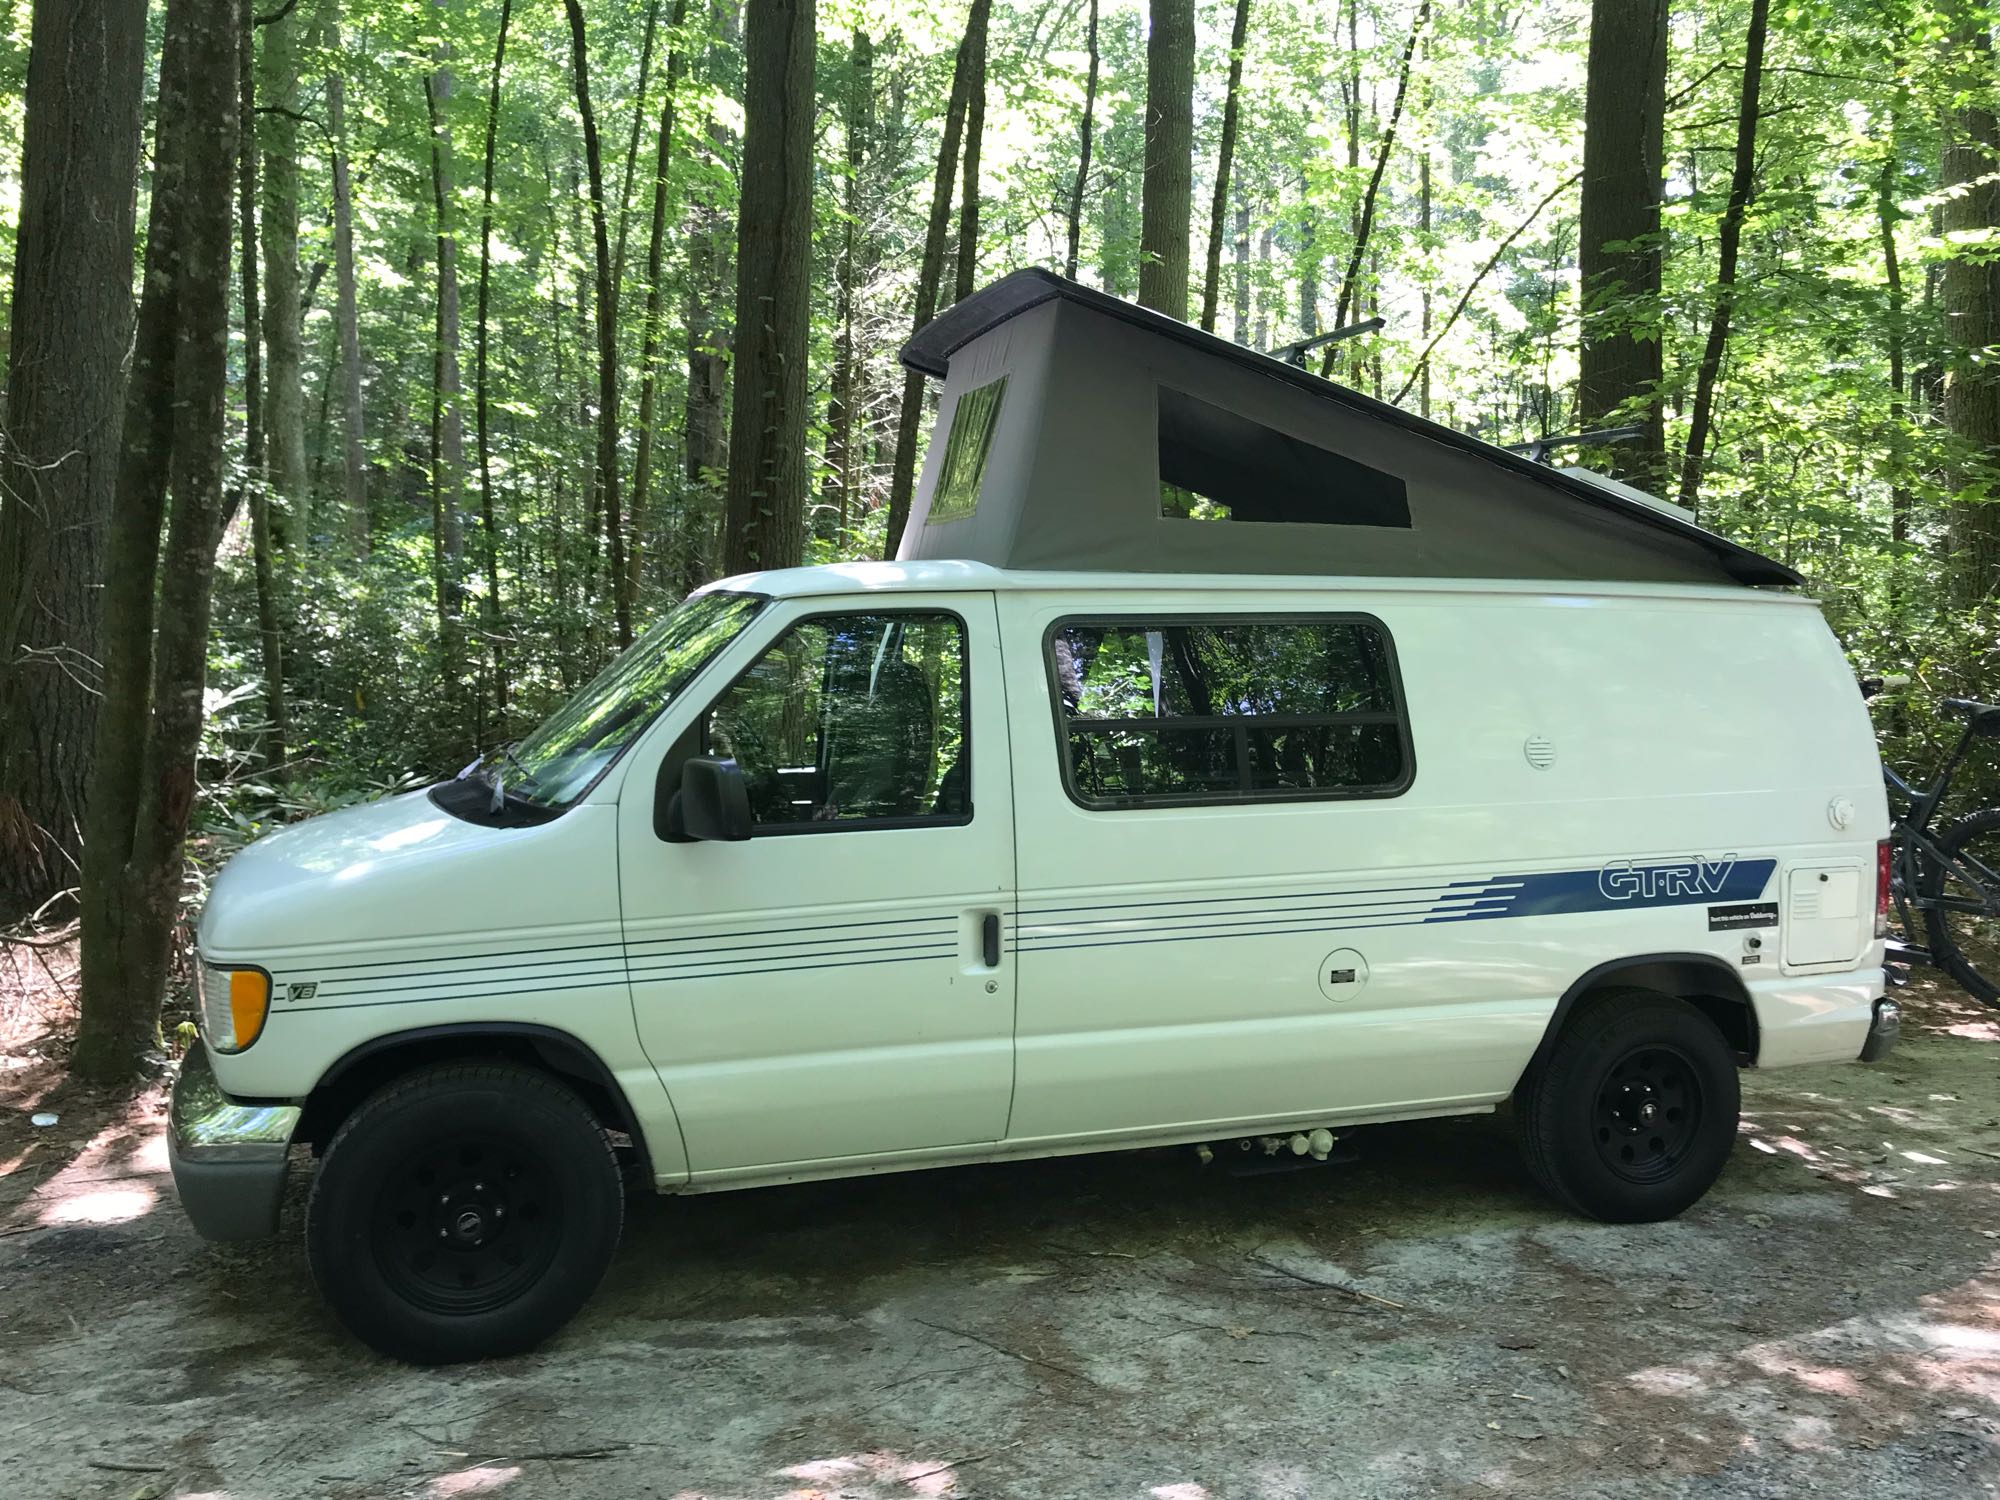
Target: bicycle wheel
[{"x": 1965, "y": 931}]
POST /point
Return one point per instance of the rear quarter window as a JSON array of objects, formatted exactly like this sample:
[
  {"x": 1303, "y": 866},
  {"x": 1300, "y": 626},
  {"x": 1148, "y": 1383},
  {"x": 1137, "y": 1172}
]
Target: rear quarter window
[{"x": 1163, "y": 711}]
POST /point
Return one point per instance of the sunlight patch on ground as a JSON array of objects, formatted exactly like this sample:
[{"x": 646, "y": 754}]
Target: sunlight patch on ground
[
  {"x": 933, "y": 1477},
  {"x": 481, "y": 1479},
  {"x": 1976, "y": 1031},
  {"x": 115, "y": 1205}
]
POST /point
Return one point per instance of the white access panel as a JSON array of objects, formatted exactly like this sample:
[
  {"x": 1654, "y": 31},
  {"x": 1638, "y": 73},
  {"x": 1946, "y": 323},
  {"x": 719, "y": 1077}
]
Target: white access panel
[{"x": 1822, "y": 915}]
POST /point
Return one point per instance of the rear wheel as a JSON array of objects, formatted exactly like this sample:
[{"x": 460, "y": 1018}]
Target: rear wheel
[
  {"x": 464, "y": 1211},
  {"x": 1633, "y": 1113},
  {"x": 1965, "y": 935}
]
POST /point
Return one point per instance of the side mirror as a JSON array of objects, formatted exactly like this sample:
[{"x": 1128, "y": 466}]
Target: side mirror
[{"x": 712, "y": 803}]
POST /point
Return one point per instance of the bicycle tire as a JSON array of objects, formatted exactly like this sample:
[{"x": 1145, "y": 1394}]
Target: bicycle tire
[{"x": 1946, "y": 951}]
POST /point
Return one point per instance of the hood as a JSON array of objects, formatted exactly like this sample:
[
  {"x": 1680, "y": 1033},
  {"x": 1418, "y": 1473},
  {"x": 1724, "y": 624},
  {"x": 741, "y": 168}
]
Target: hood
[{"x": 402, "y": 867}]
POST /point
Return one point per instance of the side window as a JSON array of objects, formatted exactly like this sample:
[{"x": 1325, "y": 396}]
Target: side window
[
  {"x": 852, "y": 719},
  {"x": 1164, "y": 711}
]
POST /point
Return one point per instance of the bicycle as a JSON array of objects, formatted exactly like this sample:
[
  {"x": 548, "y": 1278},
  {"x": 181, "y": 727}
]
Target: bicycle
[{"x": 1953, "y": 877}]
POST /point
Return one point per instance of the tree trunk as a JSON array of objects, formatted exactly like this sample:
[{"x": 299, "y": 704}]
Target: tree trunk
[
  {"x": 1888, "y": 215},
  {"x": 69, "y": 331},
  {"x": 277, "y": 131},
  {"x": 256, "y": 476},
  {"x": 1618, "y": 250},
  {"x": 975, "y": 129},
  {"x": 1225, "y": 159},
  {"x": 632, "y": 153},
  {"x": 1167, "y": 194},
  {"x": 1424, "y": 316},
  {"x": 649, "y": 338},
  {"x": 903, "y": 474},
  {"x": 705, "y": 429},
  {"x": 149, "y": 722},
  {"x": 1969, "y": 289},
  {"x": 764, "y": 510},
  {"x": 1741, "y": 184},
  {"x": 1083, "y": 152},
  {"x": 354, "y": 462},
  {"x": 837, "y": 498},
  {"x": 1242, "y": 277},
  {"x": 607, "y": 329},
  {"x": 447, "y": 394},
  {"x": 1349, "y": 301},
  {"x": 488, "y": 532}
]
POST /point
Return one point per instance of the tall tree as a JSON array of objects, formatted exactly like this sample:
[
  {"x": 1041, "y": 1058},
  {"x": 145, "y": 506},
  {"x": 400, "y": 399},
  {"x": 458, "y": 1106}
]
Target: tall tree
[
  {"x": 903, "y": 471},
  {"x": 1742, "y": 183},
  {"x": 347, "y": 311},
  {"x": 1225, "y": 160},
  {"x": 277, "y": 135},
  {"x": 447, "y": 412},
  {"x": 607, "y": 327},
  {"x": 1168, "y": 189},
  {"x": 975, "y": 130},
  {"x": 256, "y": 475},
  {"x": 859, "y": 118},
  {"x": 1348, "y": 303},
  {"x": 1083, "y": 151},
  {"x": 649, "y": 328},
  {"x": 763, "y": 520},
  {"x": 68, "y": 332},
  {"x": 155, "y": 641},
  {"x": 1619, "y": 251},
  {"x": 481, "y": 372},
  {"x": 1969, "y": 289}
]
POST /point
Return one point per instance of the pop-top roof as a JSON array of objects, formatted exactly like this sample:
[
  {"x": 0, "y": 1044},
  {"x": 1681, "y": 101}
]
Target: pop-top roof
[{"x": 1078, "y": 431}]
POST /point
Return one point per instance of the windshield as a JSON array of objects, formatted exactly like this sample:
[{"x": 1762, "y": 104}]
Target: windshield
[{"x": 558, "y": 762}]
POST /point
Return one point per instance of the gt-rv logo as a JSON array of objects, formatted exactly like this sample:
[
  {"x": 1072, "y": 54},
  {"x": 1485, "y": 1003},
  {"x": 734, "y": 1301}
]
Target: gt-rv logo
[{"x": 1621, "y": 880}]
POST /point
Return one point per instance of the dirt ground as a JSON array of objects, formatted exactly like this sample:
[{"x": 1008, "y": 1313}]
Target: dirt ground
[{"x": 1827, "y": 1320}]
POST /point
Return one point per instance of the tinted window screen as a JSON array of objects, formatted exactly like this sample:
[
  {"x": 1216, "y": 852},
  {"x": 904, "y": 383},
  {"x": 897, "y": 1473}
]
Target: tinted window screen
[
  {"x": 1221, "y": 710},
  {"x": 964, "y": 467},
  {"x": 1216, "y": 465}
]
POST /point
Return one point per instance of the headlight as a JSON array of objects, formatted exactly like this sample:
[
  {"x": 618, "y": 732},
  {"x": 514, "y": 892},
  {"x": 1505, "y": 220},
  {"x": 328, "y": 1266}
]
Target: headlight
[{"x": 231, "y": 1003}]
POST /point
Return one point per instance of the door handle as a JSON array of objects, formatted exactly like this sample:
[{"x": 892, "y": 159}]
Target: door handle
[{"x": 989, "y": 939}]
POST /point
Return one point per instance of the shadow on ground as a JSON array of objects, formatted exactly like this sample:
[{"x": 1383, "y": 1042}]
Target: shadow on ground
[{"x": 1419, "y": 1324}]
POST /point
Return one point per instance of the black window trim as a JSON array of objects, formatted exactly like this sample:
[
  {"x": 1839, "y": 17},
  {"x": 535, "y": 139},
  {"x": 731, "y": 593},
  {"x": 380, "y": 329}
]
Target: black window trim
[
  {"x": 1142, "y": 620},
  {"x": 694, "y": 742}
]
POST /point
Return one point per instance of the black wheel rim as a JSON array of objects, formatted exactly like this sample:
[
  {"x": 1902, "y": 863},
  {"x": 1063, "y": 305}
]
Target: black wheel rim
[
  {"x": 467, "y": 1224},
  {"x": 1648, "y": 1114},
  {"x": 1969, "y": 910}
]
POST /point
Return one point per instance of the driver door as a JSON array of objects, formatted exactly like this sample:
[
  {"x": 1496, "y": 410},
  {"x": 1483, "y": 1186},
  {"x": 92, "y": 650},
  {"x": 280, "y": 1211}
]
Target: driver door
[{"x": 836, "y": 985}]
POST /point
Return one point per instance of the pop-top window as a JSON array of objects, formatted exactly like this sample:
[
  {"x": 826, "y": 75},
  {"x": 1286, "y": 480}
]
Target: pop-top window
[
  {"x": 1218, "y": 466},
  {"x": 973, "y": 420},
  {"x": 1165, "y": 711}
]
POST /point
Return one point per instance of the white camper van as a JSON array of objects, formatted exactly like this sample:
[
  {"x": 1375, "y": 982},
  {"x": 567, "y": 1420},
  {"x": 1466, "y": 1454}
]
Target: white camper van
[{"x": 1227, "y": 757}]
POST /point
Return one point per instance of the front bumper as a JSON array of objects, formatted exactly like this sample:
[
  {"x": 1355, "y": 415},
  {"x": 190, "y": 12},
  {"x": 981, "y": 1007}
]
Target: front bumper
[
  {"x": 1883, "y": 1031},
  {"x": 228, "y": 1155}
]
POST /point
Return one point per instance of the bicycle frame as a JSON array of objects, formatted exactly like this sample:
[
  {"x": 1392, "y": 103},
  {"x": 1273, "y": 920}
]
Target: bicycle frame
[{"x": 1915, "y": 855}]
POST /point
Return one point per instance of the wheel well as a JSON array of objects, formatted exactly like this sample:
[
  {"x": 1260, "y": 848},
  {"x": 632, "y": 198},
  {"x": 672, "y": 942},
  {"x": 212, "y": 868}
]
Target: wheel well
[
  {"x": 1703, "y": 981},
  {"x": 383, "y": 1059}
]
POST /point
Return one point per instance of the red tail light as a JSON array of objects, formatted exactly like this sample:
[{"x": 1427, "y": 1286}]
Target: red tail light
[{"x": 1882, "y": 863}]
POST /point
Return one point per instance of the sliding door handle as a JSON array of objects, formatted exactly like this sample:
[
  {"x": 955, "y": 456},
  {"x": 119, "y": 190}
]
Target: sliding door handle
[{"x": 989, "y": 939}]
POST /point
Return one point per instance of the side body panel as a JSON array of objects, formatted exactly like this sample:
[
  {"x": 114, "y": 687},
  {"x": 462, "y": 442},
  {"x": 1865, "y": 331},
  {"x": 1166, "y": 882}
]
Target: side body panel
[{"x": 1181, "y": 958}]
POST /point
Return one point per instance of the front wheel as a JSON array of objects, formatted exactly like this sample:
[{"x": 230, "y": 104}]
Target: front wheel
[
  {"x": 464, "y": 1211},
  {"x": 1633, "y": 1113},
  {"x": 1964, "y": 924}
]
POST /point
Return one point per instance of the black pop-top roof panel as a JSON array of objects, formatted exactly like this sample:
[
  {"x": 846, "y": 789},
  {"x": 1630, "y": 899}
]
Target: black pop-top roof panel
[{"x": 930, "y": 351}]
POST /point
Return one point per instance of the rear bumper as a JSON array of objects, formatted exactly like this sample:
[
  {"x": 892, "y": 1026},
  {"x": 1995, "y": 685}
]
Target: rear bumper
[
  {"x": 228, "y": 1155},
  {"x": 1815, "y": 1018}
]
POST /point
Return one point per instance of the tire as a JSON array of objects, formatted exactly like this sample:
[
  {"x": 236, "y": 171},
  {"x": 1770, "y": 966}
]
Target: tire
[
  {"x": 462, "y": 1212},
  {"x": 1967, "y": 947},
  {"x": 1632, "y": 1114}
]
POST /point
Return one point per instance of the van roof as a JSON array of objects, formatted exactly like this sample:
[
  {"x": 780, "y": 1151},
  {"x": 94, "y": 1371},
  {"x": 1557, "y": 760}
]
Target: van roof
[
  {"x": 1084, "y": 408},
  {"x": 945, "y": 575}
]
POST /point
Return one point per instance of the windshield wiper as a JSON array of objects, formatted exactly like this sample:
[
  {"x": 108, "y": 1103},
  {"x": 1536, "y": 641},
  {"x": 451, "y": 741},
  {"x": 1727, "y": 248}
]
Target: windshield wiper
[{"x": 506, "y": 753}]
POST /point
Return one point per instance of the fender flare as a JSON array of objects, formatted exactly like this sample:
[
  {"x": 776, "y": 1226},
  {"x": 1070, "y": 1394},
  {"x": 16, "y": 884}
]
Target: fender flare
[
  {"x": 561, "y": 1052},
  {"x": 1678, "y": 974}
]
